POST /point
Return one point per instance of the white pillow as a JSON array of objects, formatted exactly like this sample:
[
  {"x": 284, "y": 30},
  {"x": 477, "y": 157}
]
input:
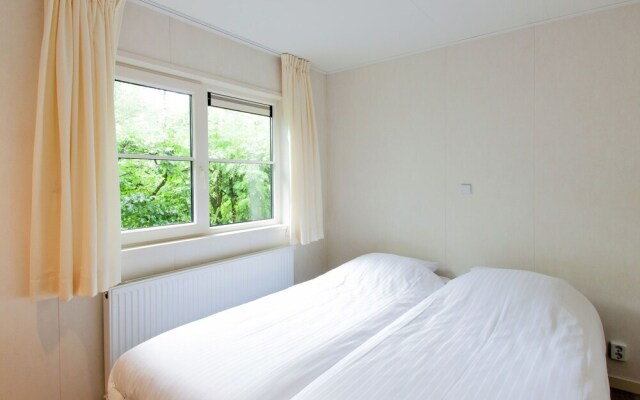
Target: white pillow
[
  {"x": 408, "y": 262},
  {"x": 388, "y": 272}
]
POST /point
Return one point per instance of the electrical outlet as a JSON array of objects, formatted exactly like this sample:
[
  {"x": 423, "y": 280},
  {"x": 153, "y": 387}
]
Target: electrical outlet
[{"x": 617, "y": 351}]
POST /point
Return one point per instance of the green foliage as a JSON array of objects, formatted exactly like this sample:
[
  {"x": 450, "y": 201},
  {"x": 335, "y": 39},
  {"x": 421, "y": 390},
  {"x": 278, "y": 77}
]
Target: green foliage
[
  {"x": 152, "y": 121},
  {"x": 154, "y": 193},
  {"x": 235, "y": 135},
  {"x": 239, "y": 192},
  {"x": 157, "y": 192}
]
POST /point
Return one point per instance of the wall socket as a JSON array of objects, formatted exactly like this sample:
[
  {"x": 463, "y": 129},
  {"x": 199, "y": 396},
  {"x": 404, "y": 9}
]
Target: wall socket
[{"x": 617, "y": 351}]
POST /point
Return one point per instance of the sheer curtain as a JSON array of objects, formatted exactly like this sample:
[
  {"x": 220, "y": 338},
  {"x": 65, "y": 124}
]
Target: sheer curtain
[
  {"x": 75, "y": 219},
  {"x": 300, "y": 122}
]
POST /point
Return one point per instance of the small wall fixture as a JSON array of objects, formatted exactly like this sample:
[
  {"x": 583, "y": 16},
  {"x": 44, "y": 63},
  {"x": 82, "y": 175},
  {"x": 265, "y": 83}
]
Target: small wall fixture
[{"x": 465, "y": 189}]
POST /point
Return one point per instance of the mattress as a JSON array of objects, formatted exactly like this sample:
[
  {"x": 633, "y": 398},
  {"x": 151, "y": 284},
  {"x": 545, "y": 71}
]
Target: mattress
[
  {"x": 273, "y": 347},
  {"x": 489, "y": 334}
]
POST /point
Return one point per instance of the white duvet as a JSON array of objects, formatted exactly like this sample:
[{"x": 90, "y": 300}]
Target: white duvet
[
  {"x": 487, "y": 335},
  {"x": 275, "y": 346}
]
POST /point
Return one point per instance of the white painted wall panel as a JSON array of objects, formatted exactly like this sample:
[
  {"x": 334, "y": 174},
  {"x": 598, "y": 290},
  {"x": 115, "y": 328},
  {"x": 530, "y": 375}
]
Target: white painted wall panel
[
  {"x": 149, "y": 33},
  {"x": 490, "y": 135},
  {"x": 587, "y": 166},
  {"x": 387, "y": 159},
  {"x": 544, "y": 122},
  {"x": 29, "y": 332}
]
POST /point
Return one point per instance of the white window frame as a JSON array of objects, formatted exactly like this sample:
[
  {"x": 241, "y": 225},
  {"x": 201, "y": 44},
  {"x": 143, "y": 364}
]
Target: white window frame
[{"x": 200, "y": 156}]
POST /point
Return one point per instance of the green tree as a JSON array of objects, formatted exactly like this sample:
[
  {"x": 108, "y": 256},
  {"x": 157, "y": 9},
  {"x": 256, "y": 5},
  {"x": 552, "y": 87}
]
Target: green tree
[{"x": 239, "y": 192}]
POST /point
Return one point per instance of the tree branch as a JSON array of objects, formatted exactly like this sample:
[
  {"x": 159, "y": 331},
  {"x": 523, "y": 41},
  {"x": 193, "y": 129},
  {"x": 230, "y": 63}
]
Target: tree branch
[{"x": 165, "y": 177}]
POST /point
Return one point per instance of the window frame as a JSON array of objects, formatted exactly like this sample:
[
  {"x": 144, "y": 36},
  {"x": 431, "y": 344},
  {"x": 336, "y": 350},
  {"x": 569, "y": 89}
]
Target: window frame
[
  {"x": 270, "y": 162},
  {"x": 199, "y": 91}
]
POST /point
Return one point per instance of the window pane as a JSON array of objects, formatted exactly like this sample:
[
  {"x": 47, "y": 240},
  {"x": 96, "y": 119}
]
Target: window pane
[
  {"x": 154, "y": 193},
  {"x": 239, "y": 193},
  {"x": 152, "y": 121},
  {"x": 235, "y": 135}
]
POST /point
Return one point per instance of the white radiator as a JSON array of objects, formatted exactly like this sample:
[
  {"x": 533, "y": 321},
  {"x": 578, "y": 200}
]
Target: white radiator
[{"x": 139, "y": 310}]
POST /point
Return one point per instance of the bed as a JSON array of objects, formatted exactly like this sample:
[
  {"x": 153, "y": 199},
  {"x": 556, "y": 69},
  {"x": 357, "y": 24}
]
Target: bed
[
  {"x": 273, "y": 347},
  {"x": 383, "y": 327},
  {"x": 489, "y": 334}
]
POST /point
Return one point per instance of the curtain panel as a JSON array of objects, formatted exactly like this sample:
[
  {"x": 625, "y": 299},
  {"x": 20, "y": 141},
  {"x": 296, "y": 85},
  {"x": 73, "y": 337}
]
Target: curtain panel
[
  {"x": 75, "y": 218},
  {"x": 299, "y": 120}
]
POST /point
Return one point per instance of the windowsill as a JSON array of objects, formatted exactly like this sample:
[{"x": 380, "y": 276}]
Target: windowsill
[
  {"x": 191, "y": 238},
  {"x": 146, "y": 259}
]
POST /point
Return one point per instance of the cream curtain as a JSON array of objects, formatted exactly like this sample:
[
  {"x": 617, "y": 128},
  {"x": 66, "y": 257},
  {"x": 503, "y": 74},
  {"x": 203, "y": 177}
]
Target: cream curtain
[
  {"x": 300, "y": 122},
  {"x": 75, "y": 219}
]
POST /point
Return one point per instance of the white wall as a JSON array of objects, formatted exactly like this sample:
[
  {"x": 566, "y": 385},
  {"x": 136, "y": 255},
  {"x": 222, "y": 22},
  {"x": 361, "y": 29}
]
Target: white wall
[
  {"x": 543, "y": 121},
  {"x": 51, "y": 349}
]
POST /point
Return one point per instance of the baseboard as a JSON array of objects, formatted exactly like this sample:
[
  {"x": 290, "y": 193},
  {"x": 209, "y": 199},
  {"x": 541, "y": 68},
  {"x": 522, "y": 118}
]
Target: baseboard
[{"x": 624, "y": 384}]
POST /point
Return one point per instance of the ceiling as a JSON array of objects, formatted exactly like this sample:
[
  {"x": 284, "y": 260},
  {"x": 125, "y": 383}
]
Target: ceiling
[{"x": 341, "y": 34}]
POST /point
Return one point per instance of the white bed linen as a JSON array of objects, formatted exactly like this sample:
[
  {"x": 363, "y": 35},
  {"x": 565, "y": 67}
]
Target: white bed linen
[
  {"x": 490, "y": 334},
  {"x": 273, "y": 347}
]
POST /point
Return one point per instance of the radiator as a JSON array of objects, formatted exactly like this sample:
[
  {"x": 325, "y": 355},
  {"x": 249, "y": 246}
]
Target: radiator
[{"x": 139, "y": 310}]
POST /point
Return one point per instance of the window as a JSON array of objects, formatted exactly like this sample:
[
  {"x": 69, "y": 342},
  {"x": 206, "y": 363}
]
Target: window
[
  {"x": 240, "y": 161},
  {"x": 191, "y": 161},
  {"x": 153, "y": 130}
]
